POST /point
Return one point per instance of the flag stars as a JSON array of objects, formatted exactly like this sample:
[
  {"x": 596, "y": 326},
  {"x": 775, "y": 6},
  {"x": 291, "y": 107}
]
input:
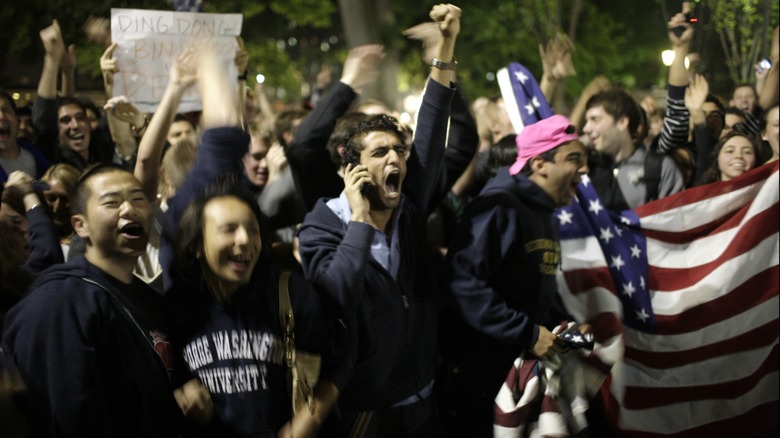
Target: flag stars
[
  {"x": 565, "y": 217},
  {"x": 635, "y": 251},
  {"x": 619, "y": 231},
  {"x": 521, "y": 77},
  {"x": 642, "y": 282},
  {"x": 625, "y": 220},
  {"x": 606, "y": 235},
  {"x": 642, "y": 315},
  {"x": 585, "y": 180},
  {"x": 595, "y": 206},
  {"x": 628, "y": 289},
  {"x": 529, "y": 108},
  {"x": 535, "y": 102},
  {"x": 617, "y": 262}
]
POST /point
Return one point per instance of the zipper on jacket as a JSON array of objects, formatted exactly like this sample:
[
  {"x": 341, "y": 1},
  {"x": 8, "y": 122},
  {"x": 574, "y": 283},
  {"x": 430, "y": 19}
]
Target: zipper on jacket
[{"x": 409, "y": 350}]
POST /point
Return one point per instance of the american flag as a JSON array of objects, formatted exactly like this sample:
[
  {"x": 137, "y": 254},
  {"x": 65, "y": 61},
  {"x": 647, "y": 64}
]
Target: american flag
[
  {"x": 682, "y": 294},
  {"x": 544, "y": 397},
  {"x": 523, "y": 98}
]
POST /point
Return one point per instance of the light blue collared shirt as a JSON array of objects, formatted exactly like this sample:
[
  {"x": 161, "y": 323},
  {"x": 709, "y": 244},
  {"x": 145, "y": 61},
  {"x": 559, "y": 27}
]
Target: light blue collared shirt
[{"x": 388, "y": 255}]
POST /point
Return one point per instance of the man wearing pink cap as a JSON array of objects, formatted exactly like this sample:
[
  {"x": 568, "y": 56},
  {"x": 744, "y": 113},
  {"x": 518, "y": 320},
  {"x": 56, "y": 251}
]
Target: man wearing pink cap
[{"x": 501, "y": 268}]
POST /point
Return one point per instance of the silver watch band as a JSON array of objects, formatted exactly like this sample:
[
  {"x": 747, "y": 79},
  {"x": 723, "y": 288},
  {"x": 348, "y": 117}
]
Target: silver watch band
[{"x": 441, "y": 65}]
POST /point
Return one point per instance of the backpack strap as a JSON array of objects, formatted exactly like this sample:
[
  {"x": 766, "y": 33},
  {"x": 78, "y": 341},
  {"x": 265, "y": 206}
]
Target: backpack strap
[{"x": 652, "y": 178}]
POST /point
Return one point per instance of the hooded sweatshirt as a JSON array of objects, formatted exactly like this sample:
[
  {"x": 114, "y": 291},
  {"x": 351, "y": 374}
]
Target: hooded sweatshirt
[
  {"x": 500, "y": 270},
  {"x": 94, "y": 355}
]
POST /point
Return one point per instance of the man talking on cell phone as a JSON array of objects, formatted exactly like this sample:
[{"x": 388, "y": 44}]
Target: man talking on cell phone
[{"x": 365, "y": 251}]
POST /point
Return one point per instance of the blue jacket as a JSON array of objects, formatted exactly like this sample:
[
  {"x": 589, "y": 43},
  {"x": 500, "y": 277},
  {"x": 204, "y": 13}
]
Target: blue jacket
[
  {"x": 89, "y": 370},
  {"x": 500, "y": 270},
  {"x": 392, "y": 321}
]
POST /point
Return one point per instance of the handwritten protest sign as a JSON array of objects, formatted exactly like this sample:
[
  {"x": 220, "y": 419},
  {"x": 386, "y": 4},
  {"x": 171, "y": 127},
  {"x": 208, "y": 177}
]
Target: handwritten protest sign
[{"x": 149, "y": 41}]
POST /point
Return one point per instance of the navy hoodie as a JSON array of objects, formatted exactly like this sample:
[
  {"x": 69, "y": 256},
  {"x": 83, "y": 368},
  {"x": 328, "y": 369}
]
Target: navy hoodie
[
  {"x": 500, "y": 271},
  {"x": 91, "y": 370},
  {"x": 392, "y": 321},
  {"x": 235, "y": 348}
]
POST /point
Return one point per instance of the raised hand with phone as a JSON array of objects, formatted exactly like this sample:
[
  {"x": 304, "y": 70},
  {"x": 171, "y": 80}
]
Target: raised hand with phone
[
  {"x": 681, "y": 27},
  {"x": 680, "y": 35}
]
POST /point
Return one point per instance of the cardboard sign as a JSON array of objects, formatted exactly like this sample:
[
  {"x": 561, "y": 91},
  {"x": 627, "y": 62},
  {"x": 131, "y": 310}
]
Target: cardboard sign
[{"x": 148, "y": 42}]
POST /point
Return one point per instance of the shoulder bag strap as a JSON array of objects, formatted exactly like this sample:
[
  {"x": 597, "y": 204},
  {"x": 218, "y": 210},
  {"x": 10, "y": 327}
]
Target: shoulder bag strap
[{"x": 287, "y": 318}]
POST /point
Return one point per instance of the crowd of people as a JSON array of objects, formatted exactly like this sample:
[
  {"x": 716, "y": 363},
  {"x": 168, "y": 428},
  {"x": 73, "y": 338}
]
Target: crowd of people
[{"x": 143, "y": 256}]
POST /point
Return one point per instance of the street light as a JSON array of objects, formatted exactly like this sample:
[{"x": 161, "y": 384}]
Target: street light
[{"x": 667, "y": 56}]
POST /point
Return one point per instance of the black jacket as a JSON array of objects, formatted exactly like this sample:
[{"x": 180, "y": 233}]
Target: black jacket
[{"x": 90, "y": 369}]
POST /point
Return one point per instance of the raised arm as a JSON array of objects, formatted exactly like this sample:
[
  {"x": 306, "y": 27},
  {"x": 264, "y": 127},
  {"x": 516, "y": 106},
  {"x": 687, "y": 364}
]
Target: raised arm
[
  {"x": 460, "y": 154},
  {"x": 595, "y": 86},
  {"x": 219, "y": 109},
  {"x": 315, "y": 174},
  {"x": 695, "y": 96},
  {"x": 119, "y": 126},
  {"x": 147, "y": 166},
  {"x": 462, "y": 138},
  {"x": 55, "y": 49},
  {"x": 68, "y": 71},
  {"x": 222, "y": 145},
  {"x": 223, "y": 142},
  {"x": 430, "y": 133},
  {"x": 242, "y": 61},
  {"x": 556, "y": 63},
  {"x": 45, "y": 109},
  {"x": 447, "y": 18},
  {"x": 769, "y": 92},
  {"x": 675, "y": 131},
  {"x": 45, "y": 248},
  {"x": 678, "y": 74}
]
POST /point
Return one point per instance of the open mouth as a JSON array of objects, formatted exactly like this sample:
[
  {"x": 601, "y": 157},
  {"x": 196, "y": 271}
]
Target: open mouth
[
  {"x": 240, "y": 262},
  {"x": 77, "y": 136},
  {"x": 5, "y": 131},
  {"x": 393, "y": 183},
  {"x": 132, "y": 230}
]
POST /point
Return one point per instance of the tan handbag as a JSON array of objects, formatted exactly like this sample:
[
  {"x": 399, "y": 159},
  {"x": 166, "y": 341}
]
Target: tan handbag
[{"x": 303, "y": 369}]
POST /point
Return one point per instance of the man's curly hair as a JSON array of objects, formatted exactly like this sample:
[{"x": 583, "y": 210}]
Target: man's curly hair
[{"x": 381, "y": 122}]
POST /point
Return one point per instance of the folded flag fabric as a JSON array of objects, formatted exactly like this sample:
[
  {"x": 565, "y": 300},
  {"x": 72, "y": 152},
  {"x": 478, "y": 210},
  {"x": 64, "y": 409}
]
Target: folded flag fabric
[
  {"x": 544, "y": 398},
  {"x": 523, "y": 98},
  {"x": 682, "y": 294}
]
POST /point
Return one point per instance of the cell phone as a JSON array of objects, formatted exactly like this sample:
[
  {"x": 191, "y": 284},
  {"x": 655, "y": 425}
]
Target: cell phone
[
  {"x": 574, "y": 339},
  {"x": 763, "y": 66},
  {"x": 40, "y": 186},
  {"x": 365, "y": 188},
  {"x": 688, "y": 19}
]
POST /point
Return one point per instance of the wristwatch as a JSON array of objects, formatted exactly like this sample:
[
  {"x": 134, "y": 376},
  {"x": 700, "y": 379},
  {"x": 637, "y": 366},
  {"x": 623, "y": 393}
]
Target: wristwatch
[{"x": 441, "y": 65}]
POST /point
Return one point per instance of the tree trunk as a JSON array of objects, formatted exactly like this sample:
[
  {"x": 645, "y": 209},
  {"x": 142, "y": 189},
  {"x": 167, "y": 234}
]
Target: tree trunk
[{"x": 367, "y": 22}]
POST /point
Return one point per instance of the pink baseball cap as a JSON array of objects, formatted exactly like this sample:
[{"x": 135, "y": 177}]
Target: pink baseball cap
[{"x": 540, "y": 137}]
